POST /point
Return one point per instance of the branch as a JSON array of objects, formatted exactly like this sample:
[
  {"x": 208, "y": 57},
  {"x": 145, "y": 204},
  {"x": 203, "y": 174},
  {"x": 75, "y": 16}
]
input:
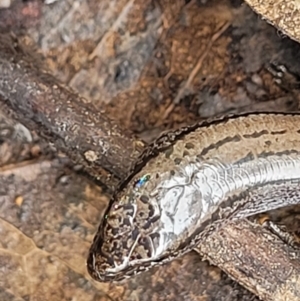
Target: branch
[
  {"x": 62, "y": 117},
  {"x": 255, "y": 258}
]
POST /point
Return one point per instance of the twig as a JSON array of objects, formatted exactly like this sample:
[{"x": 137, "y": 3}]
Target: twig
[{"x": 62, "y": 117}]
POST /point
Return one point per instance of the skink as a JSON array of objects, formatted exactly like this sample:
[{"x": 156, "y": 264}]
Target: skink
[{"x": 191, "y": 181}]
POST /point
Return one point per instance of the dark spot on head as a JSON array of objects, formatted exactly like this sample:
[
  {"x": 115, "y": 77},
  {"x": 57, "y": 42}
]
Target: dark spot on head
[
  {"x": 144, "y": 199},
  {"x": 154, "y": 237},
  {"x": 155, "y": 218},
  {"x": 114, "y": 231},
  {"x": 151, "y": 210},
  {"x": 115, "y": 245},
  {"x": 141, "y": 214},
  {"x": 157, "y": 176},
  {"x": 172, "y": 172},
  {"x": 126, "y": 222},
  {"x": 151, "y": 220},
  {"x": 146, "y": 245},
  {"x": 268, "y": 143},
  {"x": 177, "y": 161},
  {"x": 130, "y": 213},
  {"x": 186, "y": 153},
  {"x": 135, "y": 233},
  {"x": 199, "y": 158},
  {"x": 128, "y": 207},
  {"x": 189, "y": 145},
  {"x": 110, "y": 261},
  {"x": 147, "y": 225}
]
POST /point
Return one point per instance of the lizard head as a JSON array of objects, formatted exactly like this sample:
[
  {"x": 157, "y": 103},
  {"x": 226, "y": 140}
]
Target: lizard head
[{"x": 149, "y": 221}]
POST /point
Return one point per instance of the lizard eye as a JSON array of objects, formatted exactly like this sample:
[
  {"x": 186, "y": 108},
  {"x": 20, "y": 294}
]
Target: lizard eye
[{"x": 141, "y": 182}]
